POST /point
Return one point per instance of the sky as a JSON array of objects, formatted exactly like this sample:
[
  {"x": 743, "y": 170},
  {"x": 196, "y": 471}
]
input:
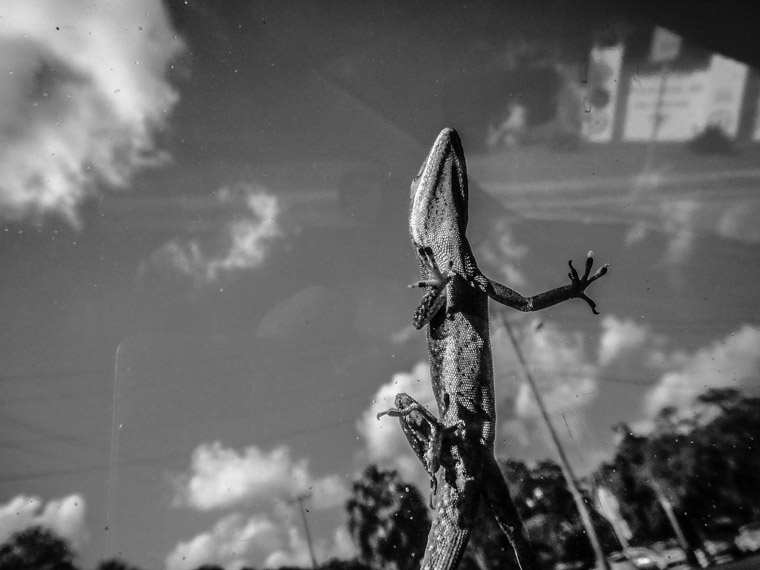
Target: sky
[{"x": 205, "y": 253}]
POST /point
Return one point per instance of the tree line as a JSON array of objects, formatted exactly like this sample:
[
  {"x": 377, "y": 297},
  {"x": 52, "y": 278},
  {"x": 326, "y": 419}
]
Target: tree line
[{"x": 694, "y": 473}]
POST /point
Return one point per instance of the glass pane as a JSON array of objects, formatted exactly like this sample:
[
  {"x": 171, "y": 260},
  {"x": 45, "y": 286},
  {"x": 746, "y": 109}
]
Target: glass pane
[{"x": 205, "y": 249}]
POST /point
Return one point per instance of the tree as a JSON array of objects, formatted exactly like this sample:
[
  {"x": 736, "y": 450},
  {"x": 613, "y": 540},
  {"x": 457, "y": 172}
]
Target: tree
[
  {"x": 388, "y": 520},
  {"x": 545, "y": 504},
  {"x": 488, "y": 546},
  {"x": 701, "y": 459},
  {"x": 36, "y": 548},
  {"x": 116, "y": 564},
  {"x": 337, "y": 564}
]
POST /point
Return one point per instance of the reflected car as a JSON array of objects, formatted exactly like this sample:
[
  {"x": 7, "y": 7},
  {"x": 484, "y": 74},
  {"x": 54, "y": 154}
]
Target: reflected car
[
  {"x": 618, "y": 561},
  {"x": 672, "y": 556},
  {"x": 572, "y": 565},
  {"x": 719, "y": 550},
  {"x": 636, "y": 558},
  {"x": 748, "y": 539}
]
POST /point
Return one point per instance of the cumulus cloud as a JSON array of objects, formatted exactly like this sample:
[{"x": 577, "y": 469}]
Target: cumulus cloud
[
  {"x": 731, "y": 362},
  {"x": 620, "y": 337},
  {"x": 221, "y": 478},
  {"x": 83, "y": 94},
  {"x": 566, "y": 377},
  {"x": 242, "y": 243},
  {"x": 679, "y": 220},
  {"x": 64, "y": 516},
  {"x": 384, "y": 441},
  {"x": 237, "y": 541},
  {"x": 739, "y": 221},
  {"x": 505, "y": 253},
  {"x": 232, "y": 541}
]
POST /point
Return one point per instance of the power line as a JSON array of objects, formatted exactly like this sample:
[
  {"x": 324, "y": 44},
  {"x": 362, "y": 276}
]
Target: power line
[
  {"x": 567, "y": 471},
  {"x": 164, "y": 458}
]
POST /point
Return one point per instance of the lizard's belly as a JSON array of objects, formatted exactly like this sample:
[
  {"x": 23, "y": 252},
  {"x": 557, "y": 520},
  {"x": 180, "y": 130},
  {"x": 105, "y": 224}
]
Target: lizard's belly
[{"x": 462, "y": 376}]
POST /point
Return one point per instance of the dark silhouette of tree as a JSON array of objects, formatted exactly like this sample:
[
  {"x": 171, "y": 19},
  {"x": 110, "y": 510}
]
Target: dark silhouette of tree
[
  {"x": 209, "y": 567},
  {"x": 388, "y": 520},
  {"x": 36, "y": 548},
  {"x": 702, "y": 460},
  {"x": 337, "y": 564},
  {"x": 488, "y": 546},
  {"x": 545, "y": 504},
  {"x": 116, "y": 564},
  {"x": 626, "y": 476}
]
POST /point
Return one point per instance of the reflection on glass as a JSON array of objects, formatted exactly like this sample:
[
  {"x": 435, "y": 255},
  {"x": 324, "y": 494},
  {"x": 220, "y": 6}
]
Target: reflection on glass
[{"x": 205, "y": 255}]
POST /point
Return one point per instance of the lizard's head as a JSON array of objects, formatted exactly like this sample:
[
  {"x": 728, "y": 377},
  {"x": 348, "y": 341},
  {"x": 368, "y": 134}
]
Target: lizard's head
[{"x": 439, "y": 193}]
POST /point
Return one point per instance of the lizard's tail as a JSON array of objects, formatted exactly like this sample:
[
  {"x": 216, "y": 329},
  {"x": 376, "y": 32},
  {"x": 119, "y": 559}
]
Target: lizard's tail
[
  {"x": 451, "y": 529},
  {"x": 496, "y": 494}
]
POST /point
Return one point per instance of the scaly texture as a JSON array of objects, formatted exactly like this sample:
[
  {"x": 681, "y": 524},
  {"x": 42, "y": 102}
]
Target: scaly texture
[{"x": 455, "y": 308}]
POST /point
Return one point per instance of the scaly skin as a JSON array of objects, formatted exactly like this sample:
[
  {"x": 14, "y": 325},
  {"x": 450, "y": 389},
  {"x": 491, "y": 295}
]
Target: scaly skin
[{"x": 455, "y": 306}]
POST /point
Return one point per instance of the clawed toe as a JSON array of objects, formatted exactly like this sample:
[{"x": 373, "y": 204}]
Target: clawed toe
[
  {"x": 437, "y": 279},
  {"x": 581, "y": 283}
]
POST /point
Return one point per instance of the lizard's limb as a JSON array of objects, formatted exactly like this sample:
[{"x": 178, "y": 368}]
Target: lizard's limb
[
  {"x": 497, "y": 497},
  {"x": 434, "y": 297},
  {"x": 425, "y": 434},
  {"x": 576, "y": 289},
  {"x": 437, "y": 279},
  {"x": 581, "y": 283}
]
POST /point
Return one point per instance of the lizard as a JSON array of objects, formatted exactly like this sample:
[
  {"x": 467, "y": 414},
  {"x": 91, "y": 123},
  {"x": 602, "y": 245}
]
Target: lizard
[{"x": 454, "y": 308}]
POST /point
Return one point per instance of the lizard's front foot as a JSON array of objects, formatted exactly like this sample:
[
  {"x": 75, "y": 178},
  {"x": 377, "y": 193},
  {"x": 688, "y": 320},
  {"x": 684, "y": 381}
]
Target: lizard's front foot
[
  {"x": 438, "y": 279},
  {"x": 580, "y": 284},
  {"x": 434, "y": 297}
]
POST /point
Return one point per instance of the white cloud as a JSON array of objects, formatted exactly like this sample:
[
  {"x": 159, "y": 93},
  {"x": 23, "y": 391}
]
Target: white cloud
[
  {"x": 242, "y": 244},
  {"x": 232, "y": 542},
  {"x": 504, "y": 252},
  {"x": 222, "y": 478},
  {"x": 565, "y": 376},
  {"x": 567, "y": 379},
  {"x": 271, "y": 540},
  {"x": 739, "y": 221},
  {"x": 620, "y": 337},
  {"x": 82, "y": 95},
  {"x": 679, "y": 219},
  {"x": 732, "y": 362},
  {"x": 64, "y": 516},
  {"x": 385, "y": 443}
]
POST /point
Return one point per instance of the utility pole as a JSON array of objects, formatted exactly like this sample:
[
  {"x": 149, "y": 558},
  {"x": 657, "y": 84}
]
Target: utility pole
[
  {"x": 665, "y": 47},
  {"x": 113, "y": 455},
  {"x": 300, "y": 499},
  {"x": 572, "y": 482}
]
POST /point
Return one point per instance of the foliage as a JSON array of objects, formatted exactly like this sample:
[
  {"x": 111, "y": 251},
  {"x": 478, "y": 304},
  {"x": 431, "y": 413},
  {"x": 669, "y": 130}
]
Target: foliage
[
  {"x": 115, "y": 564},
  {"x": 337, "y": 564},
  {"x": 489, "y": 546},
  {"x": 545, "y": 504},
  {"x": 712, "y": 140},
  {"x": 703, "y": 460},
  {"x": 628, "y": 478},
  {"x": 388, "y": 520},
  {"x": 36, "y": 548}
]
